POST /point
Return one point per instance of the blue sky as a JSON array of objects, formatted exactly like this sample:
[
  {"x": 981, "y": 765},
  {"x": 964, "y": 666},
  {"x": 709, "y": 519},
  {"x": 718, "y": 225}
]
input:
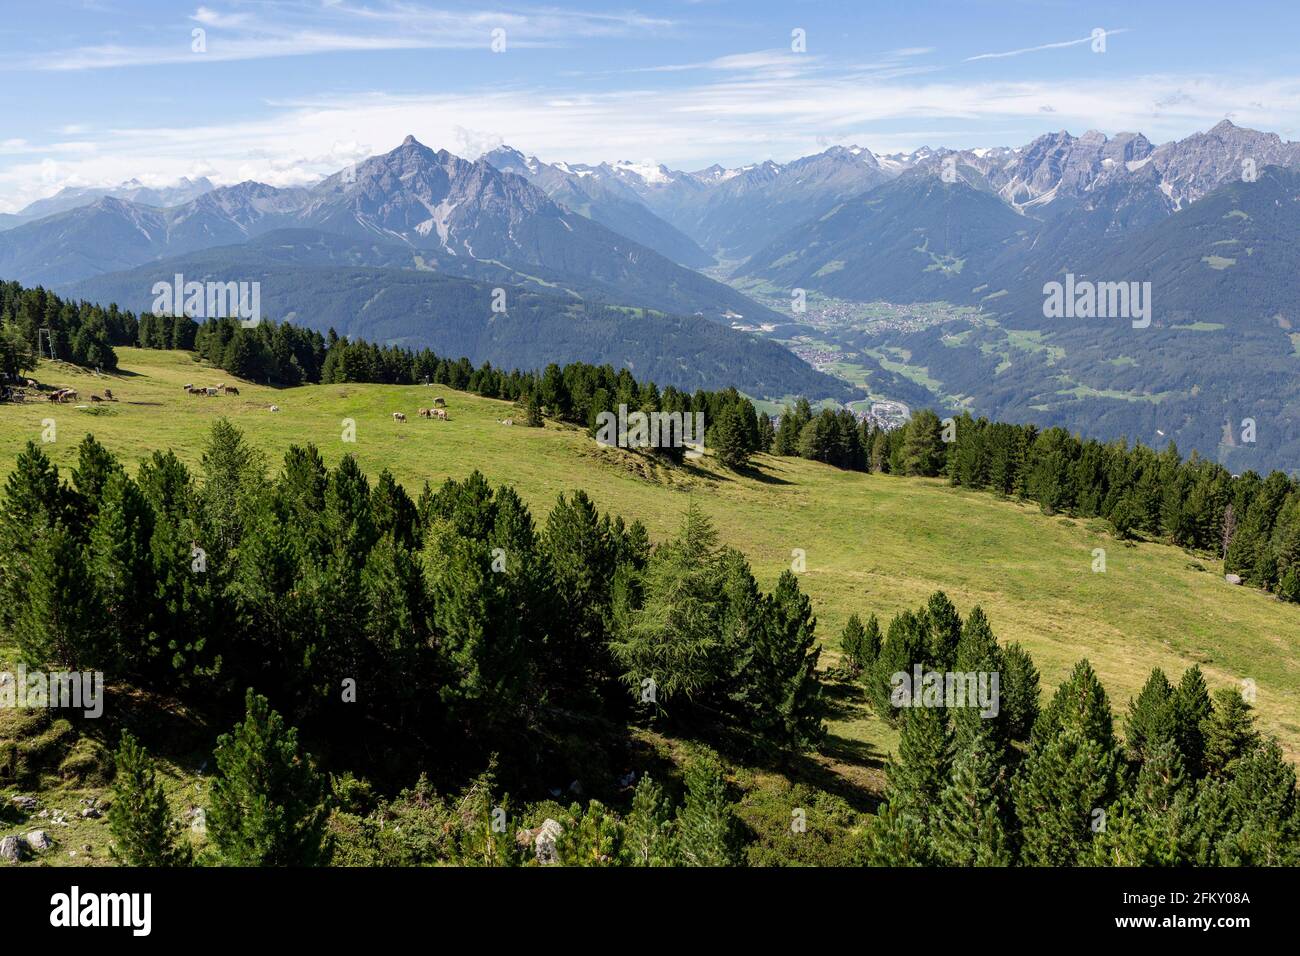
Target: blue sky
[{"x": 97, "y": 91}]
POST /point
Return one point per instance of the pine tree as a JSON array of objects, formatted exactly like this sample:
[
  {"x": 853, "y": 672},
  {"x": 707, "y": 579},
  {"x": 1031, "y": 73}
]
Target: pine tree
[
  {"x": 59, "y": 619},
  {"x": 853, "y": 646},
  {"x": 1191, "y": 707},
  {"x": 708, "y": 830},
  {"x": 676, "y": 639},
  {"x": 593, "y": 837},
  {"x": 267, "y": 800},
  {"x": 1070, "y": 777},
  {"x": 977, "y": 653},
  {"x": 144, "y": 832},
  {"x": 729, "y": 441},
  {"x": 1156, "y": 824},
  {"x": 1261, "y": 795},
  {"x": 783, "y": 671},
  {"x": 969, "y": 826},
  {"x": 923, "y": 449},
  {"x": 121, "y": 564},
  {"x": 1150, "y": 720},
  {"x": 895, "y": 837},
  {"x": 1019, "y": 691},
  {"x": 943, "y": 630},
  {"x": 1229, "y": 732},
  {"x": 649, "y": 837},
  {"x": 920, "y": 771}
]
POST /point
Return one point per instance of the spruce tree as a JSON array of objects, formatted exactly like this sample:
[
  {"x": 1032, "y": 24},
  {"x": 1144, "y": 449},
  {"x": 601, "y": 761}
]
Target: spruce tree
[
  {"x": 783, "y": 671},
  {"x": 708, "y": 829},
  {"x": 1262, "y": 797},
  {"x": 121, "y": 564},
  {"x": 267, "y": 800},
  {"x": 977, "y": 653},
  {"x": 144, "y": 832}
]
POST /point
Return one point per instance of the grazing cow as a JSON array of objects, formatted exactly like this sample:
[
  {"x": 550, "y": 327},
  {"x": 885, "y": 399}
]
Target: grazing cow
[
  {"x": 398, "y": 417},
  {"x": 275, "y": 408},
  {"x": 189, "y": 386},
  {"x": 231, "y": 390},
  {"x": 52, "y": 397},
  {"x": 440, "y": 402},
  {"x": 426, "y": 413},
  {"x": 68, "y": 394},
  {"x": 211, "y": 391},
  {"x": 440, "y": 413},
  {"x": 108, "y": 395},
  {"x": 95, "y": 398},
  {"x": 32, "y": 383}
]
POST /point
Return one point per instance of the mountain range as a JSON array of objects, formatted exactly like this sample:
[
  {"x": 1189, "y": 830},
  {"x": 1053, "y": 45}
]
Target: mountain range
[{"x": 1210, "y": 220}]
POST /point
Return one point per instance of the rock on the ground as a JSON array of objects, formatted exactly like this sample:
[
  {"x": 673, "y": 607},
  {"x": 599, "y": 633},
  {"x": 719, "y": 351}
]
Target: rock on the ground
[
  {"x": 544, "y": 846},
  {"x": 39, "y": 840},
  {"x": 12, "y": 849},
  {"x": 1232, "y": 578}
]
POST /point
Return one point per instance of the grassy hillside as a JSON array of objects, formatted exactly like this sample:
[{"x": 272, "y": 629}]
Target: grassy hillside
[{"x": 874, "y": 544}]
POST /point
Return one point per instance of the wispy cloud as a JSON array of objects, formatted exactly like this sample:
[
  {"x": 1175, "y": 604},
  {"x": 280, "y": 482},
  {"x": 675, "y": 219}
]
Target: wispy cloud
[
  {"x": 300, "y": 29},
  {"x": 1044, "y": 46}
]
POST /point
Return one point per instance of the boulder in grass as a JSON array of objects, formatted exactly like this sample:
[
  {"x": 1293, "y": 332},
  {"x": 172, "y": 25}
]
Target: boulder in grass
[
  {"x": 12, "y": 849},
  {"x": 39, "y": 840},
  {"x": 1232, "y": 578}
]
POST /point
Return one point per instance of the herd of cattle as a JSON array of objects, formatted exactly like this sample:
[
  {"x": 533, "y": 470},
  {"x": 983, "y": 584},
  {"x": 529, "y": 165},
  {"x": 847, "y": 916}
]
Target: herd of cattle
[
  {"x": 438, "y": 411},
  {"x": 222, "y": 389},
  {"x": 31, "y": 388}
]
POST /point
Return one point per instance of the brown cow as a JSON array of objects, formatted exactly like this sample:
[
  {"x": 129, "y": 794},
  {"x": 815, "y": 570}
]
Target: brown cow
[
  {"x": 439, "y": 402},
  {"x": 426, "y": 413},
  {"x": 95, "y": 398},
  {"x": 398, "y": 417},
  {"x": 440, "y": 413},
  {"x": 231, "y": 390},
  {"x": 108, "y": 395}
]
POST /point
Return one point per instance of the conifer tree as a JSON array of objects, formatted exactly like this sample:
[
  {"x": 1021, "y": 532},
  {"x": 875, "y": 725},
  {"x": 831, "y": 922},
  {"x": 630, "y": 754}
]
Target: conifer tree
[
  {"x": 1071, "y": 775},
  {"x": 1155, "y": 824},
  {"x": 1018, "y": 687},
  {"x": 920, "y": 771},
  {"x": 675, "y": 638},
  {"x": 1261, "y": 795},
  {"x": 267, "y": 800},
  {"x": 923, "y": 451},
  {"x": 121, "y": 564},
  {"x": 1150, "y": 720},
  {"x": 1191, "y": 707},
  {"x": 977, "y": 653},
  {"x": 708, "y": 830},
  {"x": 144, "y": 832},
  {"x": 943, "y": 632},
  {"x": 783, "y": 671},
  {"x": 895, "y": 837},
  {"x": 649, "y": 837},
  {"x": 1229, "y": 732},
  {"x": 593, "y": 837},
  {"x": 729, "y": 440},
  {"x": 853, "y": 646},
  {"x": 59, "y": 619},
  {"x": 969, "y": 822}
]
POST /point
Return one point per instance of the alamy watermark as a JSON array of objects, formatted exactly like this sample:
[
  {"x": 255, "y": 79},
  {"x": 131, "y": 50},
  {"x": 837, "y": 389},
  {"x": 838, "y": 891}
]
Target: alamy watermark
[
  {"x": 1084, "y": 299},
  {"x": 977, "y": 689},
  {"x": 62, "y": 690},
  {"x": 209, "y": 300},
  {"x": 652, "y": 430}
]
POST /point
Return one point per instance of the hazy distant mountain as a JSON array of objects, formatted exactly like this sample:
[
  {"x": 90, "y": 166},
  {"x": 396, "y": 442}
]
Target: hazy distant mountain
[
  {"x": 735, "y": 212},
  {"x": 133, "y": 190},
  {"x": 605, "y": 200}
]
